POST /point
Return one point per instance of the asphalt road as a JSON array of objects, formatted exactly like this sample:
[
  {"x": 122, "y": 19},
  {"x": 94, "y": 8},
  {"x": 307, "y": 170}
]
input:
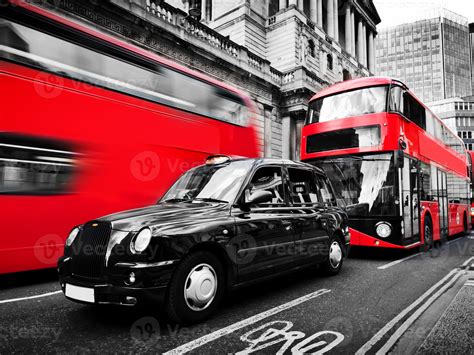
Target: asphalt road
[{"x": 303, "y": 312}]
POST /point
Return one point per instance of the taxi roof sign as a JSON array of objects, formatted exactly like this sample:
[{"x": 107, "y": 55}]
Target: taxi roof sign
[{"x": 217, "y": 159}]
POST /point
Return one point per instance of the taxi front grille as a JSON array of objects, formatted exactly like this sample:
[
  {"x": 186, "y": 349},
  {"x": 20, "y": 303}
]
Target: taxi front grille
[{"x": 89, "y": 250}]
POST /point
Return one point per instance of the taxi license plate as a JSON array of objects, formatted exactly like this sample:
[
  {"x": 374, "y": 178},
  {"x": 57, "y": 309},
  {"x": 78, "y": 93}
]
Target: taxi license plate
[{"x": 80, "y": 293}]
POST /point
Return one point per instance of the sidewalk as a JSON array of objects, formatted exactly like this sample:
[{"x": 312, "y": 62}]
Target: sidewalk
[
  {"x": 454, "y": 332},
  {"x": 447, "y": 326}
]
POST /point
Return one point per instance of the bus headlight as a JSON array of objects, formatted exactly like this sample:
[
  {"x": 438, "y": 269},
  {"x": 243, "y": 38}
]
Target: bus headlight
[
  {"x": 383, "y": 229},
  {"x": 72, "y": 236},
  {"x": 472, "y": 211},
  {"x": 141, "y": 241}
]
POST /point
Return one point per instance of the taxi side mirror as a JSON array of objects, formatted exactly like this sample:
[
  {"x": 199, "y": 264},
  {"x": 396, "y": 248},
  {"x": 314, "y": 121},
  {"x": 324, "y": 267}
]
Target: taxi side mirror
[{"x": 260, "y": 196}]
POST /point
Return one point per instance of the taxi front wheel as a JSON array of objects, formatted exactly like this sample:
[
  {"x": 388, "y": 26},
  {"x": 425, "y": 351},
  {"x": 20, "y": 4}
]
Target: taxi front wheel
[
  {"x": 334, "y": 261},
  {"x": 196, "y": 288}
]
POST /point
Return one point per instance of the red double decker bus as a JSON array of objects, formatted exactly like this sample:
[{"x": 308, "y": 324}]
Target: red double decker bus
[
  {"x": 402, "y": 174},
  {"x": 91, "y": 125}
]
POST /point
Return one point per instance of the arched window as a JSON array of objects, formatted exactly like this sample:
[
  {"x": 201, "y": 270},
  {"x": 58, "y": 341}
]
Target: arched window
[
  {"x": 346, "y": 74},
  {"x": 311, "y": 48},
  {"x": 330, "y": 64}
]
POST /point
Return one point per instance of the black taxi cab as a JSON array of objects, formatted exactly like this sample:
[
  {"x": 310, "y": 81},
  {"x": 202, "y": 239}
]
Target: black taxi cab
[{"x": 221, "y": 225}]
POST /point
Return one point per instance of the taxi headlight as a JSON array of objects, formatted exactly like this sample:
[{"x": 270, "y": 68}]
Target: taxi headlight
[
  {"x": 141, "y": 241},
  {"x": 383, "y": 229},
  {"x": 72, "y": 236}
]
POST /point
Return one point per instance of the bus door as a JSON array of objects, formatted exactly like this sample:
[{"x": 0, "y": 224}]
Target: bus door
[
  {"x": 443, "y": 204},
  {"x": 411, "y": 200}
]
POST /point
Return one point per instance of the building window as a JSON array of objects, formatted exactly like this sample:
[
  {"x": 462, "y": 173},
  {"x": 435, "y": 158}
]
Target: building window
[
  {"x": 273, "y": 7},
  {"x": 311, "y": 48},
  {"x": 330, "y": 64},
  {"x": 346, "y": 75}
]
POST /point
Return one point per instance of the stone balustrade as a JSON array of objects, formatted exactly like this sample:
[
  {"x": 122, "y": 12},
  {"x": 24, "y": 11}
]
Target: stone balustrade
[
  {"x": 225, "y": 47},
  {"x": 210, "y": 36},
  {"x": 276, "y": 75},
  {"x": 160, "y": 9}
]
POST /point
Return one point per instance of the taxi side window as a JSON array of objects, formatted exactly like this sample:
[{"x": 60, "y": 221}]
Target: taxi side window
[
  {"x": 303, "y": 188},
  {"x": 325, "y": 191},
  {"x": 268, "y": 179}
]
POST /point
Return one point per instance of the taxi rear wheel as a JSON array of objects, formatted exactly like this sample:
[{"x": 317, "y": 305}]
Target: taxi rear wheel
[
  {"x": 335, "y": 258},
  {"x": 196, "y": 288}
]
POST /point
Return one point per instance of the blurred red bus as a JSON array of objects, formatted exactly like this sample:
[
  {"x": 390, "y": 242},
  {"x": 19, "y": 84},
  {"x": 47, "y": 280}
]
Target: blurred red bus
[
  {"x": 91, "y": 125},
  {"x": 403, "y": 174}
]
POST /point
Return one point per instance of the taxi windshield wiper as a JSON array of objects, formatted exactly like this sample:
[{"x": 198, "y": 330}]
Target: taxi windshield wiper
[{"x": 209, "y": 199}]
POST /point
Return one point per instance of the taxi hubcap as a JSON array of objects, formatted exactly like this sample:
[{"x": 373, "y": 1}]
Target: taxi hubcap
[
  {"x": 335, "y": 254},
  {"x": 200, "y": 287}
]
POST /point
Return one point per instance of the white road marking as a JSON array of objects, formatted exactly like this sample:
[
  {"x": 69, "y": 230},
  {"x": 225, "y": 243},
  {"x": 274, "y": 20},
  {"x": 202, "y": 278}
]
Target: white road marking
[
  {"x": 381, "y": 333},
  {"x": 244, "y": 323},
  {"x": 386, "y": 266},
  {"x": 467, "y": 261},
  {"x": 30, "y": 297},
  {"x": 403, "y": 328}
]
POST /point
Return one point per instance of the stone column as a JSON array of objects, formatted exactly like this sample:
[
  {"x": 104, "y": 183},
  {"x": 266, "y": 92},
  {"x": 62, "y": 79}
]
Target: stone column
[
  {"x": 286, "y": 137},
  {"x": 364, "y": 41},
  {"x": 320, "y": 13},
  {"x": 292, "y": 2},
  {"x": 330, "y": 17},
  {"x": 336, "y": 20},
  {"x": 360, "y": 43},
  {"x": 301, "y": 5},
  {"x": 313, "y": 10},
  {"x": 267, "y": 132},
  {"x": 282, "y": 4},
  {"x": 371, "y": 52},
  {"x": 348, "y": 30},
  {"x": 353, "y": 39},
  {"x": 203, "y": 10}
]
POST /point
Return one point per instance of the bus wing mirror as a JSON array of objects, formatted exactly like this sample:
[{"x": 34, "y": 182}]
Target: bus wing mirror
[{"x": 399, "y": 159}]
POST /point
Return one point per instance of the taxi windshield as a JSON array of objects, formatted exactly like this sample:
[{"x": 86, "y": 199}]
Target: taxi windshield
[
  {"x": 348, "y": 104},
  {"x": 210, "y": 183}
]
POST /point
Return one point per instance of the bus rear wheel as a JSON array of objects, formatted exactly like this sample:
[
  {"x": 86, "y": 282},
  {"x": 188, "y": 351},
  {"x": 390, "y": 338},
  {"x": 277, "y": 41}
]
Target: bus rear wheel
[{"x": 427, "y": 234}]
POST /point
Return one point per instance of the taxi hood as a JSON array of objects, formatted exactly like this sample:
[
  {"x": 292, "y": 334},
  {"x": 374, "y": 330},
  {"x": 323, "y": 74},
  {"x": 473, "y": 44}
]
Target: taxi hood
[{"x": 167, "y": 217}]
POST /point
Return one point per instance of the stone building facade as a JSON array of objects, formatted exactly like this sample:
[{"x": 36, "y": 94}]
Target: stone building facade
[{"x": 279, "y": 51}]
